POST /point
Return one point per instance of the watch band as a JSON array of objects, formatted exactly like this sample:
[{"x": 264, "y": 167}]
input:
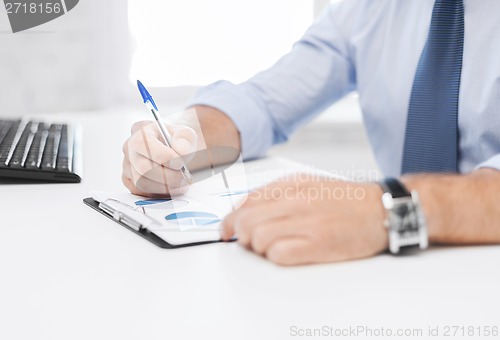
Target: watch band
[{"x": 394, "y": 187}]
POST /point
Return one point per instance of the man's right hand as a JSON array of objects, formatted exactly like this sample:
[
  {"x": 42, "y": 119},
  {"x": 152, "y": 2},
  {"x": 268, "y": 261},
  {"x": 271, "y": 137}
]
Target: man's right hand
[{"x": 151, "y": 168}]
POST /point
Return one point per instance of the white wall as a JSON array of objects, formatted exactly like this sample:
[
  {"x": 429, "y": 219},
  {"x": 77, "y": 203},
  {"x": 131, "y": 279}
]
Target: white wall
[
  {"x": 78, "y": 61},
  {"x": 81, "y": 61}
]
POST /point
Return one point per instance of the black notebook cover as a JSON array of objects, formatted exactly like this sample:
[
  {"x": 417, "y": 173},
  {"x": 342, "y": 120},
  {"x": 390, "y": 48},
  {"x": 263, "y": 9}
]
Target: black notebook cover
[{"x": 144, "y": 233}]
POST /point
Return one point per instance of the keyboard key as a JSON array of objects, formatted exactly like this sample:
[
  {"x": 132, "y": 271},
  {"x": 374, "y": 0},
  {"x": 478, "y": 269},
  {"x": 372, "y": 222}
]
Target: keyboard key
[
  {"x": 23, "y": 146},
  {"x": 35, "y": 154},
  {"x": 51, "y": 147},
  {"x": 5, "y": 126},
  {"x": 63, "y": 156},
  {"x": 6, "y": 146}
]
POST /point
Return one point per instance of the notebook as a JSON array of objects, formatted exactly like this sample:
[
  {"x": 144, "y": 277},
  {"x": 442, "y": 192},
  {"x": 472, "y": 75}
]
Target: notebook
[
  {"x": 189, "y": 219},
  {"x": 195, "y": 217}
]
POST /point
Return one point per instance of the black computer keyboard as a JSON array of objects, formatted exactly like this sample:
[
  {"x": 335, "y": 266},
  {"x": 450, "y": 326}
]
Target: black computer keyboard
[{"x": 36, "y": 150}]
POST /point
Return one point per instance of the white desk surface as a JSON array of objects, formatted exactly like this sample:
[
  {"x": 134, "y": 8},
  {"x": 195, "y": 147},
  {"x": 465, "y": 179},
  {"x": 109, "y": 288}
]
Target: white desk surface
[{"x": 66, "y": 272}]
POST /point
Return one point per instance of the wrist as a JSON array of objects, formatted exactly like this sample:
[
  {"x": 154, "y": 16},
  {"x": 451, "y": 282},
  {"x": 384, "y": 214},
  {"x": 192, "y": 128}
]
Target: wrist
[
  {"x": 460, "y": 209},
  {"x": 381, "y": 236},
  {"x": 217, "y": 127},
  {"x": 431, "y": 203}
]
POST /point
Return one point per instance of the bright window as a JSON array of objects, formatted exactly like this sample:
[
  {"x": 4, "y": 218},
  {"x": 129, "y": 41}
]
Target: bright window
[{"x": 196, "y": 42}]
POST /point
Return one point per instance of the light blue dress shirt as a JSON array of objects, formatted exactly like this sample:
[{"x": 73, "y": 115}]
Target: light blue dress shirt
[{"x": 373, "y": 47}]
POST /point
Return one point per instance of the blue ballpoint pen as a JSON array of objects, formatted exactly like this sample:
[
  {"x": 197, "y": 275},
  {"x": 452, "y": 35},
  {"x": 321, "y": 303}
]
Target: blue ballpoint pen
[{"x": 151, "y": 105}]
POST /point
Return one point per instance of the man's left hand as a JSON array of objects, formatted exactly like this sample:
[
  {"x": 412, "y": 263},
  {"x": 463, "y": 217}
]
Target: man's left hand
[{"x": 311, "y": 220}]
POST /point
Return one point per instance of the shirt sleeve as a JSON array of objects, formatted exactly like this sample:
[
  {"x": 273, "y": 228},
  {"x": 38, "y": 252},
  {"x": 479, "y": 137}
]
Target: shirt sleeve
[
  {"x": 267, "y": 108},
  {"x": 493, "y": 162}
]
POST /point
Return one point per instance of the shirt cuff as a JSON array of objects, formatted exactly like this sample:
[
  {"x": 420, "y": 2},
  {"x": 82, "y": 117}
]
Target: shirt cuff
[
  {"x": 251, "y": 120},
  {"x": 493, "y": 162}
]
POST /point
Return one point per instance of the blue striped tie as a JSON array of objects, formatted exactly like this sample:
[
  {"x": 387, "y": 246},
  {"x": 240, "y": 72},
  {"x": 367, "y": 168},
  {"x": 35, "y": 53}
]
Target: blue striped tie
[{"x": 431, "y": 140}]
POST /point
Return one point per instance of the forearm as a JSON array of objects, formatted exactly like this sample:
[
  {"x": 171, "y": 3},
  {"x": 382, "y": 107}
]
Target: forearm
[{"x": 460, "y": 209}]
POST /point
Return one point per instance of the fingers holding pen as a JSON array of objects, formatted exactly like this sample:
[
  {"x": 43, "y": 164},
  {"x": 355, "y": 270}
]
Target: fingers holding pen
[
  {"x": 150, "y": 166},
  {"x": 145, "y": 142},
  {"x": 161, "y": 181},
  {"x": 152, "y": 157}
]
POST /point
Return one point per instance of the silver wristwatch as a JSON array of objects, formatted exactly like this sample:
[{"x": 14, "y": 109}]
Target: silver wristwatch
[{"x": 405, "y": 220}]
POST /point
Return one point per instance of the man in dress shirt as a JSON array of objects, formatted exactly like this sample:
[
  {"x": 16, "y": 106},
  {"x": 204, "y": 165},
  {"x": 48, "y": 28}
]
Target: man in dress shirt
[{"x": 385, "y": 50}]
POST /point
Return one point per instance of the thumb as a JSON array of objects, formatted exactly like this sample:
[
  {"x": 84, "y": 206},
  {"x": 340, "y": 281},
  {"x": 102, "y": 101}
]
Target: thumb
[
  {"x": 184, "y": 143},
  {"x": 184, "y": 140}
]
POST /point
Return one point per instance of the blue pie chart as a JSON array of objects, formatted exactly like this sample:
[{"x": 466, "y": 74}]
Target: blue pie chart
[
  {"x": 143, "y": 203},
  {"x": 161, "y": 203},
  {"x": 194, "y": 218}
]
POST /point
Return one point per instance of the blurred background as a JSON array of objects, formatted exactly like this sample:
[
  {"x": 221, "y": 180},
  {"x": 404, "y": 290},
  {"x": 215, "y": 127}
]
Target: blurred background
[{"x": 88, "y": 60}]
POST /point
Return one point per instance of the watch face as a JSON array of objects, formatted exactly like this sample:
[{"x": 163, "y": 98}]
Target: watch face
[
  {"x": 406, "y": 224},
  {"x": 404, "y": 216}
]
